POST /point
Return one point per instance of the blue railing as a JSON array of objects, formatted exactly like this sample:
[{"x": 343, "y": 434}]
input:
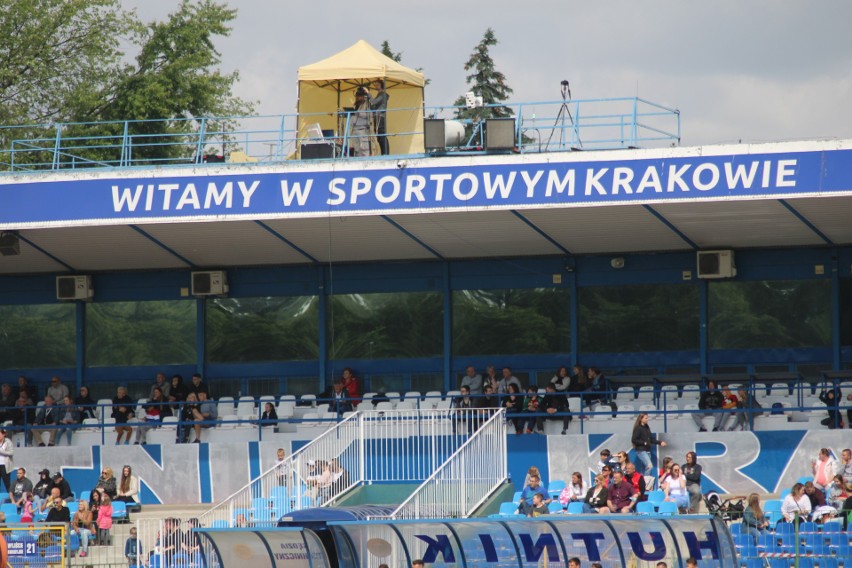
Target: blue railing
[{"x": 545, "y": 126}]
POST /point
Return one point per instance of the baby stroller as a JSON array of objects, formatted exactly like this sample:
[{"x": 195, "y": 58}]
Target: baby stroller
[{"x": 727, "y": 510}]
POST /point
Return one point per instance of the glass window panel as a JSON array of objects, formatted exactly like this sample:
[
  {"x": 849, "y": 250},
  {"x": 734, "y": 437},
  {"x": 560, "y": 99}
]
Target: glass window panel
[
  {"x": 770, "y": 314},
  {"x": 846, "y": 311},
  {"x": 396, "y": 325},
  {"x": 511, "y": 322},
  {"x": 37, "y": 336},
  {"x": 618, "y": 319},
  {"x": 141, "y": 333},
  {"x": 249, "y": 330}
]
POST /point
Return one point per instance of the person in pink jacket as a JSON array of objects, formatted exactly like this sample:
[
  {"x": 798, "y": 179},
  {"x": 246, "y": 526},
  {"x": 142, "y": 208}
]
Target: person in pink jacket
[{"x": 104, "y": 519}]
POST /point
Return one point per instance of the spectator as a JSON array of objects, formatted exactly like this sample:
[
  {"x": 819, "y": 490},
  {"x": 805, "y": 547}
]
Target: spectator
[
  {"x": 69, "y": 418},
  {"x": 350, "y": 385},
  {"x": 81, "y": 524},
  {"x": 31, "y": 390},
  {"x": 533, "y": 471},
  {"x": 104, "y": 520},
  {"x": 269, "y": 417},
  {"x": 675, "y": 489},
  {"x": 597, "y": 497},
  {"x": 535, "y": 487},
  {"x": 340, "y": 400},
  {"x": 552, "y": 404},
  {"x": 152, "y": 414},
  {"x": 47, "y": 415},
  {"x": 574, "y": 491},
  {"x": 692, "y": 471},
  {"x": 622, "y": 496},
  {"x": 711, "y": 399},
  {"x": 531, "y": 404},
  {"x": 597, "y": 388},
  {"x": 27, "y": 508},
  {"x": 131, "y": 548},
  {"x": 561, "y": 380},
  {"x": 831, "y": 399},
  {"x": 122, "y": 410},
  {"x": 95, "y": 507},
  {"x": 107, "y": 483},
  {"x": 508, "y": 379},
  {"x": 574, "y": 562},
  {"x": 178, "y": 393},
  {"x": 85, "y": 405},
  {"x": 823, "y": 468},
  {"x": 57, "y": 390},
  {"x": 637, "y": 480},
  {"x": 486, "y": 403},
  {"x": 204, "y": 415},
  {"x": 492, "y": 379},
  {"x": 514, "y": 405},
  {"x": 7, "y": 450},
  {"x": 42, "y": 488},
  {"x": 463, "y": 405},
  {"x": 58, "y": 513},
  {"x": 22, "y": 413},
  {"x": 606, "y": 459},
  {"x": 52, "y": 498},
  {"x": 836, "y": 492},
  {"x": 642, "y": 440},
  {"x": 472, "y": 380},
  {"x": 621, "y": 461},
  {"x": 754, "y": 521},
  {"x": 815, "y": 496},
  {"x": 538, "y": 507},
  {"x": 666, "y": 470},
  {"x": 161, "y": 383},
  {"x": 796, "y": 505},
  {"x": 128, "y": 488},
  {"x": 844, "y": 468},
  {"x": 21, "y": 487},
  {"x": 747, "y": 408},
  {"x": 606, "y": 472},
  {"x": 198, "y": 386},
  {"x": 578, "y": 381},
  {"x": 691, "y": 562},
  {"x": 187, "y": 416},
  {"x": 7, "y": 402},
  {"x": 729, "y": 402}
]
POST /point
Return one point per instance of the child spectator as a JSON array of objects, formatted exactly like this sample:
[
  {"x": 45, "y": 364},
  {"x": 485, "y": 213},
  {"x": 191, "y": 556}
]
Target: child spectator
[
  {"x": 27, "y": 508},
  {"x": 131, "y": 546},
  {"x": 538, "y": 506},
  {"x": 104, "y": 520}
]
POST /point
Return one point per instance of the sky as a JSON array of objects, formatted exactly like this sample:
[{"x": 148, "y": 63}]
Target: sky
[{"x": 738, "y": 70}]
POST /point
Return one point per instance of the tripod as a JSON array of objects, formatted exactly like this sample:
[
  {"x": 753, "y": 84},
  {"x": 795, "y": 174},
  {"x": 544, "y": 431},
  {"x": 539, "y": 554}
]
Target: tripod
[{"x": 561, "y": 117}]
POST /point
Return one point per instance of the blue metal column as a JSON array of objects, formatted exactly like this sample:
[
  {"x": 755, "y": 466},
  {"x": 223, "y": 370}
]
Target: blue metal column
[
  {"x": 703, "y": 327},
  {"x": 835, "y": 311},
  {"x": 323, "y": 328},
  {"x": 80, "y": 366},
  {"x": 201, "y": 335},
  {"x": 448, "y": 327}
]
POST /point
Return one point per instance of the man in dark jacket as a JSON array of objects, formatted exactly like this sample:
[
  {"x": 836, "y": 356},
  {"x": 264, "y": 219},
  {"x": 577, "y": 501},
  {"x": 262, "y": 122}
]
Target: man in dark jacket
[
  {"x": 692, "y": 472},
  {"x": 47, "y": 415},
  {"x": 711, "y": 399},
  {"x": 553, "y": 403},
  {"x": 831, "y": 398},
  {"x": 62, "y": 484}
]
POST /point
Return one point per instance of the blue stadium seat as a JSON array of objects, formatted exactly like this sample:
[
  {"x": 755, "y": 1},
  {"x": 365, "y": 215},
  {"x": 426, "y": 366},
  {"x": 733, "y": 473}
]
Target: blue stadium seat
[
  {"x": 9, "y": 508},
  {"x": 832, "y": 527},
  {"x": 280, "y": 507},
  {"x": 554, "y": 507},
  {"x": 667, "y": 508},
  {"x": 646, "y": 508},
  {"x": 656, "y": 496},
  {"x": 508, "y": 508},
  {"x": 555, "y": 488},
  {"x": 575, "y": 508},
  {"x": 755, "y": 563},
  {"x": 119, "y": 511},
  {"x": 85, "y": 496},
  {"x": 516, "y": 498}
]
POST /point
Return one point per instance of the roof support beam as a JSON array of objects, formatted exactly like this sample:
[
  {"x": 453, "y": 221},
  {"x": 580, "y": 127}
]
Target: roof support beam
[
  {"x": 805, "y": 221},
  {"x": 408, "y": 234},
  {"x": 162, "y": 245},
  {"x": 541, "y": 232},
  {"x": 47, "y": 254},
  {"x": 286, "y": 241},
  {"x": 671, "y": 226}
]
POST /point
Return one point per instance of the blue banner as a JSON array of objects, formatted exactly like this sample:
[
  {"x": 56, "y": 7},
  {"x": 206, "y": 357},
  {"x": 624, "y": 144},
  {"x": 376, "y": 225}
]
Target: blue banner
[{"x": 421, "y": 185}]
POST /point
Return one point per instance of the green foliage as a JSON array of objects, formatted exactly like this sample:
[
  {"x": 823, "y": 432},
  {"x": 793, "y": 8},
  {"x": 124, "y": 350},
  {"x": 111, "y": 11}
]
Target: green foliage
[
  {"x": 250, "y": 330},
  {"x": 386, "y": 50},
  {"x": 140, "y": 333},
  {"x": 659, "y": 317},
  {"x": 485, "y": 81},
  {"x": 493, "y": 322},
  {"x": 27, "y": 342}
]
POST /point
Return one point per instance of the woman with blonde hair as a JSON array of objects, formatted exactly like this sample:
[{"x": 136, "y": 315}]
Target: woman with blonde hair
[
  {"x": 754, "y": 521},
  {"x": 796, "y": 506},
  {"x": 532, "y": 471}
]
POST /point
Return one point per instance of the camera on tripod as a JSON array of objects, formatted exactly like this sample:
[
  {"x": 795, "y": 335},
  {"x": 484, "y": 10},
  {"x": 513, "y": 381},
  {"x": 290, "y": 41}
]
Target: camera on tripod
[{"x": 566, "y": 90}]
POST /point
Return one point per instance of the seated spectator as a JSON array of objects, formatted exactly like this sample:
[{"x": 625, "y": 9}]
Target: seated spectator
[
  {"x": 533, "y": 471},
  {"x": 7, "y": 402},
  {"x": 621, "y": 461},
  {"x": 754, "y": 521},
  {"x": 508, "y": 379},
  {"x": 57, "y": 390},
  {"x": 535, "y": 487},
  {"x": 69, "y": 418},
  {"x": 531, "y": 404},
  {"x": 711, "y": 399},
  {"x": 47, "y": 415},
  {"x": 122, "y": 410},
  {"x": 692, "y": 472},
  {"x": 85, "y": 405},
  {"x": 621, "y": 495},
  {"x": 23, "y": 413},
  {"x": 538, "y": 507},
  {"x": 823, "y": 468},
  {"x": 597, "y": 497},
  {"x": 729, "y": 402},
  {"x": 815, "y": 496},
  {"x": 152, "y": 414},
  {"x": 665, "y": 470},
  {"x": 26, "y": 508},
  {"x": 20, "y": 487},
  {"x": 187, "y": 416},
  {"x": 350, "y": 385},
  {"x": 597, "y": 388},
  {"x": 81, "y": 523},
  {"x": 198, "y": 386},
  {"x": 58, "y": 513},
  {"x": 560, "y": 381},
  {"x": 831, "y": 399},
  {"x": 844, "y": 467},
  {"x": 675, "y": 489},
  {"x": 59, "y": 482},
  {"x": 552, "y": 404},
  {"x": 747, "y": 408},
  {"x": 178, "y": 393},
  {"x": 204, "y": 415},
  {"x": 637, "y": 480},
  {"x": 836, "y": 492},
  {"x": 574, "y": 491},
  {"x": 160, "y": 382},
  {"x": 606, "y": 473},
  {"x": 472, "y": 380},
  {"x": 41, "y": 490},
  {"x": 106, "y": 483},
  {"x": 340, "y": 401},
  {"x": 52, "y": 498},
  {"x": 128, "y": 488},
  {"x": 795, "y": 506},
  {"x": 269, "y": 417},
  {"x": 95, "y": 506},
  {"x": 513, "y": 402},
  {"x": 463, "y": 405},
  {"x": 606, "y": 460}
]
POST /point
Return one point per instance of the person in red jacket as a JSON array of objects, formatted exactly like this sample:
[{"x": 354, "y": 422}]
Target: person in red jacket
[{"x": 350, "y": 383}]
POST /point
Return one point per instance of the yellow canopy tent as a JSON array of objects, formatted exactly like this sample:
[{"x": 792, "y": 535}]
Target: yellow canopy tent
[{"x": 329, "y": 85}]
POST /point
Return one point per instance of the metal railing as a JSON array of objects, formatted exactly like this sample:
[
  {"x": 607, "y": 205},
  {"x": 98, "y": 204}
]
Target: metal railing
[
  {"x": 545, "y": 126},
  {"x": 467, "y": 478}
]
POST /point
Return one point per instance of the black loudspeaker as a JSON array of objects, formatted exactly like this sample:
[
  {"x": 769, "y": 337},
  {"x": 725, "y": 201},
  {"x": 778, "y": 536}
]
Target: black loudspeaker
[
  {"x": 318, "y": 151},
  {"x": 499, "y": 133},
  {"x": 10, "y": 245},
  {"x": 434, "y": 134}
]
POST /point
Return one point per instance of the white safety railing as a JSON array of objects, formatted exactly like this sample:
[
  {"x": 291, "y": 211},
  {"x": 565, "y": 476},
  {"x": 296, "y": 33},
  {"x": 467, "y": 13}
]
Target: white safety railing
[
  {"x": 366, "y": 447},
  {"x": 466, "y": 479}
]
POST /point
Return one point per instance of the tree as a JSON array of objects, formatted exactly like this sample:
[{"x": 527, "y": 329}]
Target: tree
[
  {"x": 486, "y": 82},
  {"x": 386, "y": 50},
  {"x": 61, "y": 61}
]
